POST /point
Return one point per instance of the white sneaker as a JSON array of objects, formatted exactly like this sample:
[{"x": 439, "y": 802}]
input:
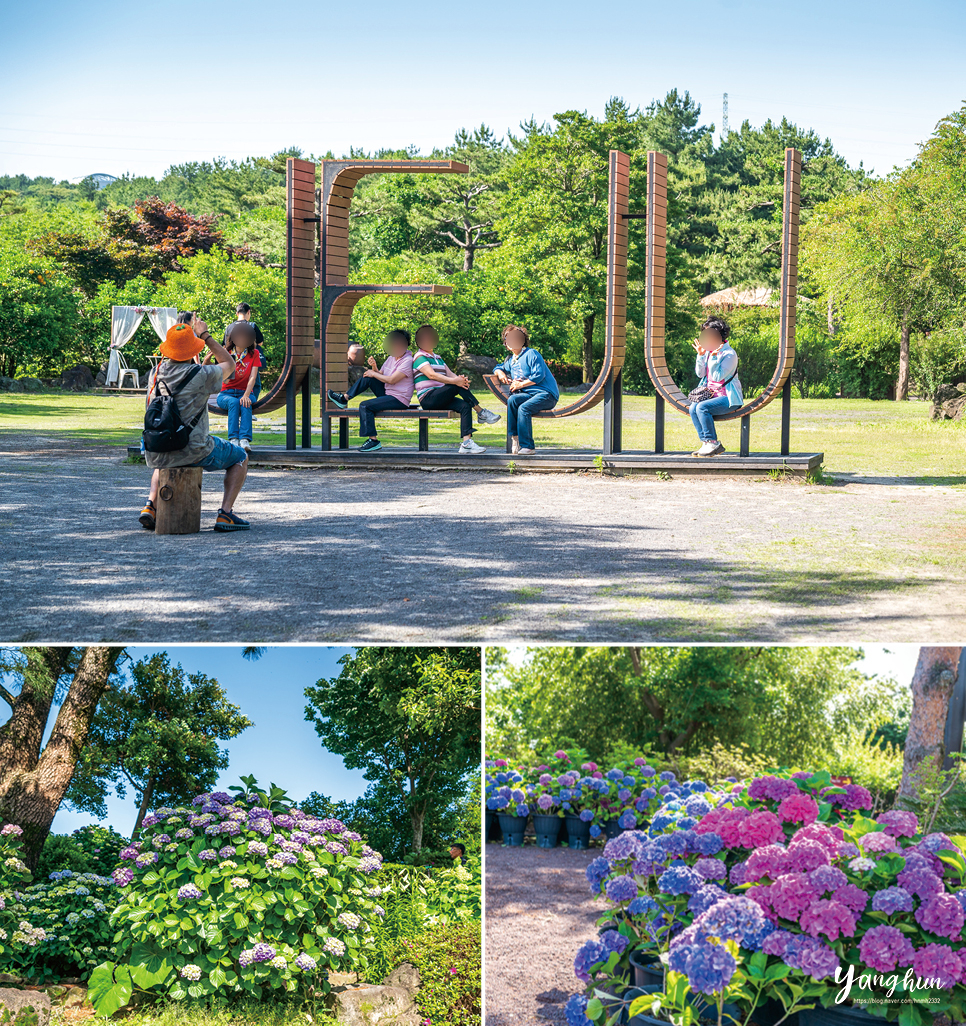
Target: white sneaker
[
  {"x": 710, "y": 449},
  {"x": 488, "y": 417},
  {"x": 470, "y": 448},
  {"x": 526, "y": 452},
  {"x": 246, "y": 445},
  {"x": 514, "y": 445},
  {"x": 233, "y": 441}
]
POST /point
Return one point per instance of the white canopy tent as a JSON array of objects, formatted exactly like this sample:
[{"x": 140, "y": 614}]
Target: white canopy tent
[{"x": 124, "y": 323}]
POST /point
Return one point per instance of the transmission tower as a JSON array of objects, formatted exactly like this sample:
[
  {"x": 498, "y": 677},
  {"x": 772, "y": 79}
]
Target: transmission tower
[{"x": 724, "y": 117}]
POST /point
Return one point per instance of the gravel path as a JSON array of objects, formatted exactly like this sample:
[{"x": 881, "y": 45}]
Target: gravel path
[
  {"x": 463, "y": 557},
  {"x": 539, "y": 910}
]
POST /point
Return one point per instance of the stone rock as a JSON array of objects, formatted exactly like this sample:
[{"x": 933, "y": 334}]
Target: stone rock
[
  {"x": 20, "y": 1001},
  {"x": 473, "y": 363},
  {"x": 14, "y": 385},
  {"x": 77, "y": 379},
  {"x": 382, "y": 1005},
  {"x": 101, "y": 380},
  {"x": 404, "y": 975},
  {"x": 949, "y": 402},
  {"x": 31, "y": 384}
]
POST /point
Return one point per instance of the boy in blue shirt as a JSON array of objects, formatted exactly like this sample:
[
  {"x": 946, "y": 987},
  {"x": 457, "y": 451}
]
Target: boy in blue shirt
[{"x": 532, "y": 388}]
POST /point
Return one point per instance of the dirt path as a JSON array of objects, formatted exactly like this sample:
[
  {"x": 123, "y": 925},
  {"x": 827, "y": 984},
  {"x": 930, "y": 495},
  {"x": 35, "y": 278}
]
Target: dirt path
[
  {"x": 351, "y": 556},
  {"x": 539, "y": 910}
]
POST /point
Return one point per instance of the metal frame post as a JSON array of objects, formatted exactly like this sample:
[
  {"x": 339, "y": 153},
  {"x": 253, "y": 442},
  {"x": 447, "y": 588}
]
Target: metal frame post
[
  {"x": 658, "y": 423},
  {"x": 307, "y": 412},
  {"x": 290, "y": 412},
  {"x": 786, "y": 415},
  {"x": 607, "y": 447},
  {"x": 745, "y": 435}
]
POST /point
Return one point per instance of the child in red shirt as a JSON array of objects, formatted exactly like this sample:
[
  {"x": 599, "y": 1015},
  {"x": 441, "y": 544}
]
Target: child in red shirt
[{"x": 240, "y": 391}]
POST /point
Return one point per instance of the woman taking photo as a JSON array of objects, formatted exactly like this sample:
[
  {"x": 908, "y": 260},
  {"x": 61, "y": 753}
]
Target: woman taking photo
[{"x": 719, "y": 389}]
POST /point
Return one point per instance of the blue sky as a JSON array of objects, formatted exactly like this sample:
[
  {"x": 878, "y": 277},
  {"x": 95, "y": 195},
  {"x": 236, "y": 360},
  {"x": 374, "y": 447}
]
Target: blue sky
[
  {"x": 280, "y": 747},
  {"x": 111, "y": 86}
]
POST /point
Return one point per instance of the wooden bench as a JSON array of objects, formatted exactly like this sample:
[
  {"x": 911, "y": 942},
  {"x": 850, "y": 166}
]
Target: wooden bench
[{"x": 417, "y": 412}]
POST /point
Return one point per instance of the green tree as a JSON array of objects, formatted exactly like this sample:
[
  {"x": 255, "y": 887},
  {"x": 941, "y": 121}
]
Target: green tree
[
  {"x": 34, "y": 775},
  {"x": 782, "y": 703},
  {"x": 158, "y": 734},
  {"x": 408, "y": 717}
]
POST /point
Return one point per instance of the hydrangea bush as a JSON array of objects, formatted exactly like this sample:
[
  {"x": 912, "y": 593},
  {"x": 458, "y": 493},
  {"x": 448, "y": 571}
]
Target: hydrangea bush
[
  {"x": 778, "y": 888},
  {"x": 224, "y": 898},
  {"x": 69, "y": 917},
  {"x": 15, "y": 932}
]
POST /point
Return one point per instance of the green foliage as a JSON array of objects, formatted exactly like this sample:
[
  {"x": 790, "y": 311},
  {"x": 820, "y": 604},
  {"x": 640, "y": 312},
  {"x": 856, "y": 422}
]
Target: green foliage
[
  {"x": 38, "y": 314},
  {"x": 450, "y": 969},
  {"x": 783, "y": 703},
  {"x": 74, "y": 913},
  {"x": 876, "y": 765},
  {"x": 89, "y": 849},
  {"x": 158, "y": 734},
  {"x": 718, "y": 763},
  {"x": 410, "y": 718},
  {"x": 265, "y": 887}
]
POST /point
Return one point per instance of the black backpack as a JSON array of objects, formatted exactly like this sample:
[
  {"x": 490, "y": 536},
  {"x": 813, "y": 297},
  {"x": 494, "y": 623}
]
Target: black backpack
[{"x": 164, "y": 430}]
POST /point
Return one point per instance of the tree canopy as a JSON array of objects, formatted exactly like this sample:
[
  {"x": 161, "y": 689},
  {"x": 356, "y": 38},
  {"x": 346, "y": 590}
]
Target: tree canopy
[{"x": 408, "y": 717}]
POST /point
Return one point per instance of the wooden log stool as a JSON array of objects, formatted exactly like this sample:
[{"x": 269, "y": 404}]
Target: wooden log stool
[{"x": 179, "y": 501}]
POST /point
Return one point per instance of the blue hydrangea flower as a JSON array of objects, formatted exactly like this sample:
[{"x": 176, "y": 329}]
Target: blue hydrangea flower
[
  {"x": 641, "y": 905},
  {"x": 627, "y": 821},
  {"x": 587, "y": 815},
  {"x": 679, "y": 880},
  {"x": 576, "y": 1011},
  {"x": 596, "y": 871},
  {"x": 707, "y": 844},
  {"x": 595, "y": 831},
  {"x": 707, "y": 896},
  {"x": 667, "y": 776},
  {"x": 621, "y": 888}
]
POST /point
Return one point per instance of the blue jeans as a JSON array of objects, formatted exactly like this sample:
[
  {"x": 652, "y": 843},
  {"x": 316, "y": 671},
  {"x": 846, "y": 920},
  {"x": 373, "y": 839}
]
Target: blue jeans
[
  {"x": 703, "y": 414},
  {"x": 230, "y": 400},
  {"x": 223, "y": 456},
  {"x": 520, "y": 408}
]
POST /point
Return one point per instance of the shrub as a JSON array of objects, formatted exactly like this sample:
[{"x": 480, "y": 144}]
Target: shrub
[
  {"x": 719, "y": 763},
  {"x": 223, "y": 899},
  {"x": 876, "y": 766},
  {"x": 449, "y": 964},
  {"x": 74, "y": 913},
  {"x": 15, "y": 932},
  {"x": 90, "y": 849}
]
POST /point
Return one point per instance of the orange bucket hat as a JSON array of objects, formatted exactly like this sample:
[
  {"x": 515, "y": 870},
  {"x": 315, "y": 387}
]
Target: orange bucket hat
[{"x": 181, "y": 344}]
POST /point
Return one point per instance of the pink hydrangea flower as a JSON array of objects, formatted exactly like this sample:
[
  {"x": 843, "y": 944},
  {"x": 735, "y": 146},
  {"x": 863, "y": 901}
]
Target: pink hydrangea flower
[
  {"x": 899, "y": 823},
  {"x": 828, "y": 917},
  {"x": 726, "y": 823},
  {"x": 878, "y": 841},
  {"x": 772, "y": 789},
  {"x": 922, "y": 882},
  {"x": 884, "y": 948},
  {"x": 806, "y": 855},
  {"x": 759, "y": 829},
  {"x": 770, "y": 861},
  {"x": 829, "y": 837},
  {"x": 942, "y": 915},
  {"x": 791, "y": 894},
  {"x": 852, "y": 897},
  {"x": 798, "y": 808},
  {"x": 937, "y": 962}
]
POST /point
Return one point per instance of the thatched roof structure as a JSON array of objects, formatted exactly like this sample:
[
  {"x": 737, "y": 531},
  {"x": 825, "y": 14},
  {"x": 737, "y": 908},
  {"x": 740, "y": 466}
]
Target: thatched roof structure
[{"x": 728, "y": 299}]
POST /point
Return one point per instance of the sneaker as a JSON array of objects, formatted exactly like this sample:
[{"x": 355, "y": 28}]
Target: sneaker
[
  {"x": 526, "y": 452},
  {"x": 710, "y": 449},
  {"x": 470, "y": 448},
  {"x": 370, "y": 445},
  {"x": 488, "y": 417},
  {"x": 246, "y": 444},
  {"x": 229, "y": 522},
  {"x": 339, "y": 399},
  {"x": 149, "y": 516},
  {"x": 514, "y": 445},
  {"x": 233, "y": 441}
]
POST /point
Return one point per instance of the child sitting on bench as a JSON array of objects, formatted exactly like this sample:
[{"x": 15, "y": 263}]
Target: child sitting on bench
[
  {"x": 392, "y": 385},
  {"x": 438, "y": 388}
]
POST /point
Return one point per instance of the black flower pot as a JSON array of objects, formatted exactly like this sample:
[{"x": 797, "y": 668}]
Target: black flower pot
[
  {"x": 547, "y": 829},
  {"x": 647, "y": 968},
  {"x": 612, "y": 828},
  {"x": 770, "y": 1012},
  {"x": 837, "y": 1015},
  {"x": 578, "y": 832},
  {"x": 513, "y": 827},
  {"x": 493, "y": 831}
]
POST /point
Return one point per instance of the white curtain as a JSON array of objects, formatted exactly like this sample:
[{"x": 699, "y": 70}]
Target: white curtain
[{"x": 124, "y": 323}]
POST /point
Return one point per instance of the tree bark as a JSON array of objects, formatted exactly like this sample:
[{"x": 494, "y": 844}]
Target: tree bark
[
  {"x": 417, "y": 816},
  {"x": 33, "y": 783},
  {"x": 902, "y": 385},
  {"x": 143, "y": 808},
  {"x": 589, "y": 349},
  {"x": 932, "y": 687}
]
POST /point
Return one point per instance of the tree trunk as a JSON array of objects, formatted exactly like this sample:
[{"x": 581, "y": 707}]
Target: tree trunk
[
  {"x": 589, "y": 349},
  {"x": 31, "y": 794},
  {"x": 143, "y": 809},
  {"x": 417, "y": 816},
  {"x": 469, "y": 252},
  {"x": 932, "y": 687},
  {"x": 902, "y": 385}
]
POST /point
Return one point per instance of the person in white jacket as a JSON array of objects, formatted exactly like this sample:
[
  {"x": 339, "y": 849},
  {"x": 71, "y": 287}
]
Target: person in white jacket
[{"x": 717, "y": 367}]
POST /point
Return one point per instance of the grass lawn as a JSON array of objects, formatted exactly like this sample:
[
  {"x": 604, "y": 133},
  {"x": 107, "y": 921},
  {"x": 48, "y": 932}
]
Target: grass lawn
[{"x": 858, "y": 436}]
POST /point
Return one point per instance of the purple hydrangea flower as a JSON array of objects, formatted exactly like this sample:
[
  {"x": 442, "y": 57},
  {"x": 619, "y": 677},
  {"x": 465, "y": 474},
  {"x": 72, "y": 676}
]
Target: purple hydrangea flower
[
  {"x": 189, "y": 892},
  {"x": 622, "y": 888},
  {"x": 891, "y": 900}
]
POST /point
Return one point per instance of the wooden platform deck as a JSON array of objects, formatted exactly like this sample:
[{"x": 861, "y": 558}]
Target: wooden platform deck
[{"x": 552, "y": 461}]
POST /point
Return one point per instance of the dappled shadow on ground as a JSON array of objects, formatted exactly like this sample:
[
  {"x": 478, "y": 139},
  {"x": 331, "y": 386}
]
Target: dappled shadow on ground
[{"x": 408, "y": 557}]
